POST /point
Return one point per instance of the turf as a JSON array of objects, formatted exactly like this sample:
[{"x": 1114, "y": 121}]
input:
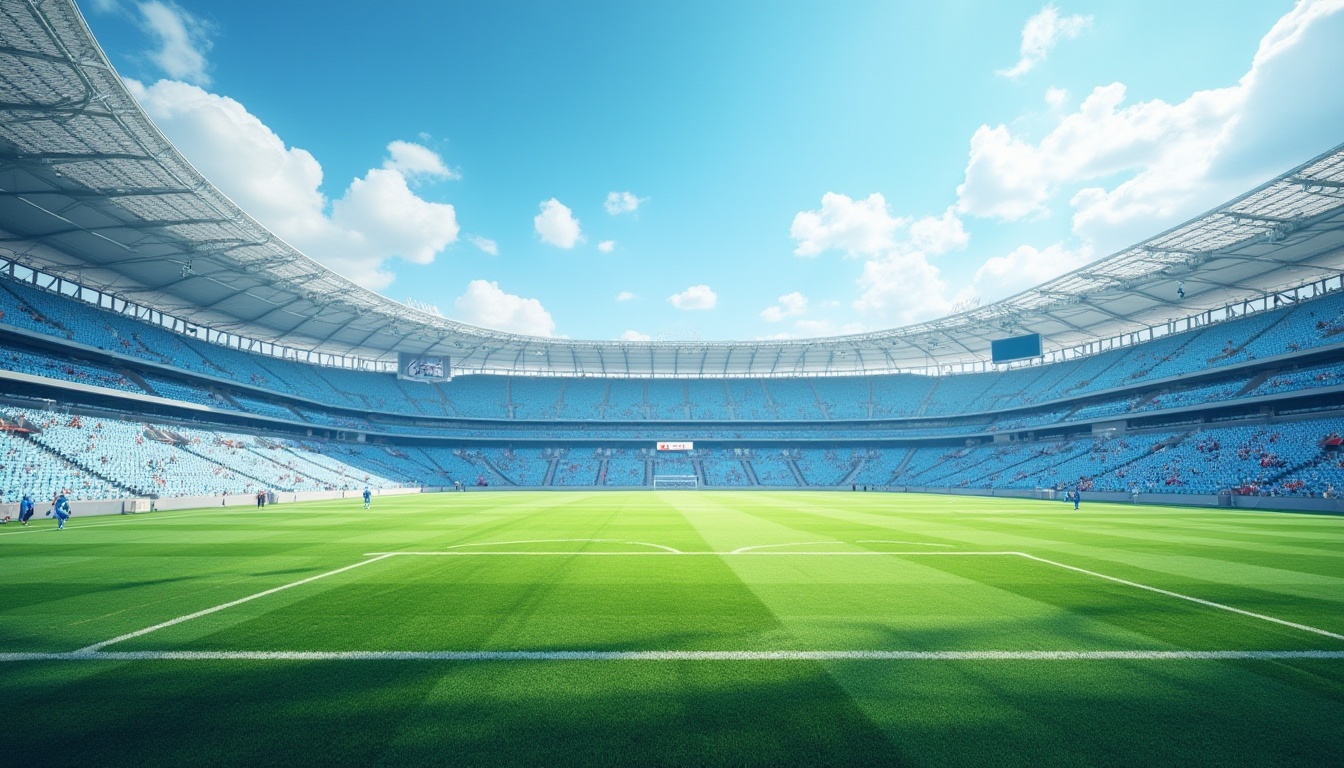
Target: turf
[{"x": 633, "y": 575}]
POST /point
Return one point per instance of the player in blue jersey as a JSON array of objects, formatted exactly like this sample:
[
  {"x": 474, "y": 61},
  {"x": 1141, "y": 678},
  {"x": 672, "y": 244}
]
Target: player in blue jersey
[
  {"x": 1077, "y": 497},
  {"x": 26, "y": 508},
  {"x": 368, "y": 497},
  {"x": 61, "y": 509}
]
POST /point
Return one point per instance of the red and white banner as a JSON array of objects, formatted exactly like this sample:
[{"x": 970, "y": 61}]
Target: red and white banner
[{"x": 683, "y": 446}]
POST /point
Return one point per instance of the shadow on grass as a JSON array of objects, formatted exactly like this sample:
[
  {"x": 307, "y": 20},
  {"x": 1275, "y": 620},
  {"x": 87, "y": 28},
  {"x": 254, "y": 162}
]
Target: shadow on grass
[{"x": 385, "y": 713}]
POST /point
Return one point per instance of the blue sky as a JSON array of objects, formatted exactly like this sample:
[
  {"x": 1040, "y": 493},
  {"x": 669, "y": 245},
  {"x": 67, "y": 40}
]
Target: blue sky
[{"x": 717, "y": 170}]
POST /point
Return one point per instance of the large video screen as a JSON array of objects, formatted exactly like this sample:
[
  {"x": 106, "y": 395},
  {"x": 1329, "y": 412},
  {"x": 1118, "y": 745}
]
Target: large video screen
[
  {"x": 1016, "y": 348},
  {"x": 422, "y": 367}
]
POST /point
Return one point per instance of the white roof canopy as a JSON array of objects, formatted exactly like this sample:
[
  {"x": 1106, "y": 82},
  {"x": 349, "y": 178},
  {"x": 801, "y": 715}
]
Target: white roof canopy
[{"x": 91, "y": 191}]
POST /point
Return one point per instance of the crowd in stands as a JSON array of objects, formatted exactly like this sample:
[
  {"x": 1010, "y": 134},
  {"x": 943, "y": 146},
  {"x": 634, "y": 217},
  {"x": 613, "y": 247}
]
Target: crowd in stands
[
  {"x": 101, "y": 457},
  {"x": 1290, "y": 328},
  {"x": 557, "y": 421}
]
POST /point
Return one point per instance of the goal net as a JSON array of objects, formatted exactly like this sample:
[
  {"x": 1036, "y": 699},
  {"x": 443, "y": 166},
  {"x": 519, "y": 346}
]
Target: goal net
[{"x": 676, "y": 481}]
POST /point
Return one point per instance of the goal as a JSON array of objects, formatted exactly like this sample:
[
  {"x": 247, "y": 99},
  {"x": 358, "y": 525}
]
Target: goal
[{"x": 676, "y": 481}]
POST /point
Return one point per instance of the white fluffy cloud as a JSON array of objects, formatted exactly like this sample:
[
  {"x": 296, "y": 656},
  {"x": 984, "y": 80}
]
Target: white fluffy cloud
[
  {"x": 1040, "y": 35},
  {"x": 626, "y": 296},
  {"x": 1129, "y": 170},
  {"x": 1025, "y": 267},
  {"x": 857, "y": 227},
  {"x": 635, "y": 336},
  {"x": 485, "y": 244},
  {"x": 789, "y": 305},
  {"x": 378, "y": 217},
  {"x": 606, "y": 246},
  {"x": 622, "y": 202},
  {"x": 695, "y": 297},
  {"x": 415, "y": 160},
  {"x": 901, "y": 287},
  {"x": 486, "y": 305},
  {"x": 939, "y": 234},
  {"x": 556, "y": 225},
  {"x": 181, "y": 38}
]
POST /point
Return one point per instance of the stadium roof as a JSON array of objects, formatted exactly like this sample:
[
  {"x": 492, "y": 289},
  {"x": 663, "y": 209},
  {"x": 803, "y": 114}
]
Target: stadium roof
[{"x": 91, "y": 191}]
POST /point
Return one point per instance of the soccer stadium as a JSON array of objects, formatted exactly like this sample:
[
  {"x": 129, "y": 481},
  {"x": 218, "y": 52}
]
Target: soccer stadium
[{"x": 1095, "y": 522}]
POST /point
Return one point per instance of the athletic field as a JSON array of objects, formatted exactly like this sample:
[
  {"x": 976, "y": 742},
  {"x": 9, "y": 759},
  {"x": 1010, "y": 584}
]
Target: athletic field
[{"x": 675, "y": 628}]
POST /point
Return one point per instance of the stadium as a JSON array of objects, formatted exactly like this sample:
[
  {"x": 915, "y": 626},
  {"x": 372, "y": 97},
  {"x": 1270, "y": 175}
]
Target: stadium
[{"x": 843, "y": 550}]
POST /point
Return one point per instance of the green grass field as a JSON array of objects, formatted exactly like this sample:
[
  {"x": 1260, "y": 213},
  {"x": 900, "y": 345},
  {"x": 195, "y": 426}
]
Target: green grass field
[{"x": 675, "y": 628}]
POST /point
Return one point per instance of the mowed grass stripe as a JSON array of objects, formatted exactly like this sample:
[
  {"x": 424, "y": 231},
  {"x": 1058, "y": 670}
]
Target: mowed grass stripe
[
  {"x": 1067, "y": 707},
  {"x": 458, "y": 656}
]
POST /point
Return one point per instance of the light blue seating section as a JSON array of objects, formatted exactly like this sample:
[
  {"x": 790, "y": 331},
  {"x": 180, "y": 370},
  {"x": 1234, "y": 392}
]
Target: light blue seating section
[
  {"x": 1291, "y": 328},
  {"x": 26, "y": 467},
  {"x": 576, "y": 467},
  {"x": 625, "y": 467},
  {"x": 584, "y": 399},
  {"x": 37, "y": 364}
]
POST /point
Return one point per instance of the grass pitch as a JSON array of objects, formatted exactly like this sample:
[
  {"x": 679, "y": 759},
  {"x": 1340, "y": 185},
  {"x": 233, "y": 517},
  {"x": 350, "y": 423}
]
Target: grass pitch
[{"x": 761, "y": 628}]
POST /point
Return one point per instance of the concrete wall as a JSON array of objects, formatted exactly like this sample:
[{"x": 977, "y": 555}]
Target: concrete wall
[
  {"x": 118, "y": 506},
  {"x": 1268, "y": 503},
  {"x": 77, "y": 508}
]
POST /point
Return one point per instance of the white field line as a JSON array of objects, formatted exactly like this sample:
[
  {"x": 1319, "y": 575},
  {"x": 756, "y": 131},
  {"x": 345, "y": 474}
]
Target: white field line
[
  {"x": 99, "y": 646},
  {"x": 893, "y": 541},
  {"x": 96, "y": 648},
  {"x": 670, "y": 655},
  {"x": 1198, "y": 600},
  {"x": 552, "y": 541},
  {"x": 740, "y": 550},
  {"x": 734, "y": 553}
]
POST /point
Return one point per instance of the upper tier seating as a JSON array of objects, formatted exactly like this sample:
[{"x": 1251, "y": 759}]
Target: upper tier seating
[{"x": 1288, "y": 329}]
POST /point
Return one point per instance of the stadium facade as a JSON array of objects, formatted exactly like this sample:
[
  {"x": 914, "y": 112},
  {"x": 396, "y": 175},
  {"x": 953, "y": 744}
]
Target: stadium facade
[{"x": 158, "y": 342}]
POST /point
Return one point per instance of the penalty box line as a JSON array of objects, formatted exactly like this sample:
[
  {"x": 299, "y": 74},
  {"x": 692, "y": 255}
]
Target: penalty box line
[
  {"x": 96, "y": 648},
  {"x": 672, "y": 656},
  {"x": 99, "y": 646}
]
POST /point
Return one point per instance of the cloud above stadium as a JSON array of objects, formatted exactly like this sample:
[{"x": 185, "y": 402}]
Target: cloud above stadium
[
  {"x": 1041, "y": 34},
  {"x": 183, "y": 40},
  {"x": 1129, "y": 169},
  {"x": 377, "y": 219},
  {"x": 556, "y": 225},
  {"x": 1116, "y": 170},
  {"x": 697, "y": 297},
  {"x": 1060, "y": 147},
  {"x": 618, "y": 203},
  {"x": 487, "y": 305}
]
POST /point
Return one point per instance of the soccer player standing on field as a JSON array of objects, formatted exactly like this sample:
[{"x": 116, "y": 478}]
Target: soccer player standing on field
[
  {"x": 26, "y": 507},
  {"x": 368, "y": 497}
]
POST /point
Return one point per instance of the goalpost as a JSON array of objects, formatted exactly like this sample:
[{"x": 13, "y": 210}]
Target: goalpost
[{"x": 676, "y": 481}]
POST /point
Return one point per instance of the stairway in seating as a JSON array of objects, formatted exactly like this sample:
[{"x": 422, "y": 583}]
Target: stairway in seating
[
  {"x": 797, "y": 472},
  {"x": 1257, "y": 380},
  {"x": 924, "y": 406},
  {"x": 750, "y": 471},
  {"x": 139, "y": 382},
  {"x": 909, "y": 454},
  {"x": 821, "y": 404}
]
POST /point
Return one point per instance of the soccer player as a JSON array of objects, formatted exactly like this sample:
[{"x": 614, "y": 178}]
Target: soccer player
[
  {"x": 26, "y": 509},
  {"x": 368, "y": 497},
  {"x": 61, "y": 508},
  {"x": 1077, "y": 497}
]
